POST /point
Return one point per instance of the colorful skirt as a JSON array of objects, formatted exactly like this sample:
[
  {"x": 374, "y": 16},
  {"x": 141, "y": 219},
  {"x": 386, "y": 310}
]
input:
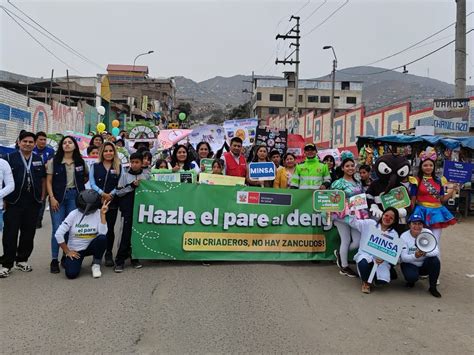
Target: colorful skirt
[{"x": 435, "y": 217}]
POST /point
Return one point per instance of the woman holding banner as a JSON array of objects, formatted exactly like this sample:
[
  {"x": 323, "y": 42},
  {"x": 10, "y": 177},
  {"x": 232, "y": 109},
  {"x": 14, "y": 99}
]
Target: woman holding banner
[
  {"x": 350, "y": 236},
  {"x": 427, "y": 195},
  {"x": 104, "y": 177},
  {"x": 181, "y": 160},
  {"x": 204, "y": 151},
  {"x": 66, "y": 176},
  {"x": 261, "y": 156},
  {"x": 387, "y": 224}
]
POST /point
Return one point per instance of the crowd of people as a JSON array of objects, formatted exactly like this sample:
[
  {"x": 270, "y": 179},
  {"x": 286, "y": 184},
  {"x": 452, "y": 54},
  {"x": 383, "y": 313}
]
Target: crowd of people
[{"x": 84, "y": 201}]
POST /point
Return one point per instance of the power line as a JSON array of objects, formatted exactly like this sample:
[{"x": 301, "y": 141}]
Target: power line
[
  {"x": 64, "y": 44},
  {"x": 414, "y": 44},
  {"x": 39, "y": 42},
  {"x": 409, "y": 63},
  {"x": 326, "y": 19},
  {"x": 302, "y": 7},
  {"x": 314, "y": 11}
]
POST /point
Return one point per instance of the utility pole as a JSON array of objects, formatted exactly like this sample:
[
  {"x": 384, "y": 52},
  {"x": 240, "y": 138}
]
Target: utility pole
[
  {"x": 51, "y": 89},
  {"x": 333, "y": 87},
  {"x": 460, "y": 51},
  {"x": 250, "y": 92},
  {"x": 296, "y": 36},
  {"x": 68, "y": 101}
]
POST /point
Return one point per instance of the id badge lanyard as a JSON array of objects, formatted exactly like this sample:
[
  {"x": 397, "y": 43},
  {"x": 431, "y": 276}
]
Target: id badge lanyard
[{"x": 28, "y": 171}]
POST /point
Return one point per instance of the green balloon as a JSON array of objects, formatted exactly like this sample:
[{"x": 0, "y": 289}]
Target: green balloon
[{"x": 182, "y": 116}]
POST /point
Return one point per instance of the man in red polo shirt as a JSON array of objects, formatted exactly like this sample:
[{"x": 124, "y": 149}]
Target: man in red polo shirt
[{"x": 235, "y": 163}]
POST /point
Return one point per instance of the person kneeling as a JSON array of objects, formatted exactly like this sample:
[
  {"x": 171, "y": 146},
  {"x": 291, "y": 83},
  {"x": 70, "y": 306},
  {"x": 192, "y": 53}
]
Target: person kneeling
[
  {"x": 415, "y": 262},
  {"x": 87, "y": 228}
]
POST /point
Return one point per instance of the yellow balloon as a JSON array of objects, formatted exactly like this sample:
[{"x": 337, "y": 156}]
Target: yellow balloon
[
  {"x": 115, "y": 123},
  {"x": 100, "y": 127}
]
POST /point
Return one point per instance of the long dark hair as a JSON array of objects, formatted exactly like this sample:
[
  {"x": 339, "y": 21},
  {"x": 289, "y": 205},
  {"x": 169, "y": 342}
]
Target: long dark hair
[
  {"x": 433, "y": 174},
  {"x": 76, "y": 154},
  {"x": 257, "y": 148},
  {"x": 210, "y": 154},
  {"x": 340, "y": 173},
  {"x": 394, "y": 225},
  {"x": 94, "y": 137},
  {"x": 174, "y": 157}
]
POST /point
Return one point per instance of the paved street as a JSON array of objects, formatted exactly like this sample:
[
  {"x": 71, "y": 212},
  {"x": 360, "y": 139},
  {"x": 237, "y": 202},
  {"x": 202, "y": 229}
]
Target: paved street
[{"x": 236, "y": 307}]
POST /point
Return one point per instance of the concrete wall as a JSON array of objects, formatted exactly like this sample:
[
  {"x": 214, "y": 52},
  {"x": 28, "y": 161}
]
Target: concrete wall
[{"x": 17, "y": 112}]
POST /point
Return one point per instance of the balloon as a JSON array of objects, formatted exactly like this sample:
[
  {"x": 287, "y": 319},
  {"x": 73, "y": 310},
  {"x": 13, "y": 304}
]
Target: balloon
[
  {"x": 182, "y": 116},
  {"x": 115, "y": 123},
  {"x": 115, "y": 131},
  {"x": 101, "y": 111},
  {"x": 100, "y": 127}
]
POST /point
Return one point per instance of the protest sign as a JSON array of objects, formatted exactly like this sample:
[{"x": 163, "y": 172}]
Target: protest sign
[
  {"x": 228, "y": 223},
  {"x": 358, "y": 202},
  {"x": 273, "y": 139},
  {"x": 397, "y": 197},
  {"x": 451, "y": 115},
  {"x": 329, "y": 200},
  {"x": 215, "y": 179},
  {"x": 457, "y": 172},
  {"x": 168, "y": 175},
  {"x": 169, "y": 137},
  {"x": 207, "y": 164},
  {"x": 83, "y": 140},
  {"x": 212, "y": 134},
  {"x": 244, "y": 128},
  {"x": 333, "y": 152},
  {"x": 262, "y": 171},
  {"x": 382, "y": 245},
  {"x": 141, "y": 131}
]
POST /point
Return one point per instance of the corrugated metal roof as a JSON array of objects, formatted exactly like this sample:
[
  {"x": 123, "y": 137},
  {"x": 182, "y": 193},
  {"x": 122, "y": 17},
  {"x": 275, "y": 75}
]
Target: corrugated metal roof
[{"x": 123, "y": 67}]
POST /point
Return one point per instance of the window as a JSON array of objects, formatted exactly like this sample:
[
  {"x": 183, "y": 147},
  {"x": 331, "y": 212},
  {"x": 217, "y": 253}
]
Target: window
[
  {"x": 300, "y": 98},
  {"x": 351, "y": 100},
  {"x": 273, "y": 110},
  {"x": 312, "y": 98},
  {"x": 325, "y": 99},
  {"x": 276, "y": 97},
  {"x": 259, "y": 96},
  {"x": 345, "y": 85}
]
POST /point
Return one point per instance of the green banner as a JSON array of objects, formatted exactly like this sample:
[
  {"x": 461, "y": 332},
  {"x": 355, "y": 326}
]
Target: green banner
[
  {"x": 397, "y": 197},
  {"x": 175, "y": 221}
]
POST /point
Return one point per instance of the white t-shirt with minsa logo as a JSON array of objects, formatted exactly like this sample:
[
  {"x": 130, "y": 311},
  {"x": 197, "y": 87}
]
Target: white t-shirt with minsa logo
[{"x": 83, "y": 233}]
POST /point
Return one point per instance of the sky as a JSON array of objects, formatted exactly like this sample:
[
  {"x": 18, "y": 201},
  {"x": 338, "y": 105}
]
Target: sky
[{"x": 202, "y": 39}]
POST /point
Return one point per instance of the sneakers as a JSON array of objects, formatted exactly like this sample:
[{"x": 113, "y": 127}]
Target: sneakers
[
  {"x": 434, "y": 292},
  {"x": 348, "y": 272},
  {"x": 96, "y": 273},
  {"x": 423, "y": 277},
  {"x": 109, "y": 260},
  {"x": 365, "y": 287},
  {"x": 136, "y": 264},
  {"x": 118, "y": 268},
  {"x": 23, "y": 266},
  {"x": 54, "y": 266},
  {"x": 338, "y": 258},
  {"x": 4, "y": 272}
]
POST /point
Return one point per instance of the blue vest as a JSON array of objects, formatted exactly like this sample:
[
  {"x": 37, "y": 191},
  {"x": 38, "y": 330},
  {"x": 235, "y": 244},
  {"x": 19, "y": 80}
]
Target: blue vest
[
  {"x": 60, "y": 180},
  {"x": 106, "y": 180},
  {"x": 38, "y": 172}
]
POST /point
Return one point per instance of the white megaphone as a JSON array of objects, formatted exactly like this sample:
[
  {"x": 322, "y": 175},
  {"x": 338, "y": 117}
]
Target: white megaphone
[{"x": 426, "y": 242}]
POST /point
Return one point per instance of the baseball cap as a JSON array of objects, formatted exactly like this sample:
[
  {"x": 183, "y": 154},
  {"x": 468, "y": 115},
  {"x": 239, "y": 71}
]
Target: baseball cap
[
  {"x": 309, "y": 146},
  {"x": 416, "y": 218}
]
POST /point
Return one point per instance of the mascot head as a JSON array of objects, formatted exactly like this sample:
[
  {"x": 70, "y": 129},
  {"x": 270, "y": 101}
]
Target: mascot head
[{"x": 392, "y": 169}]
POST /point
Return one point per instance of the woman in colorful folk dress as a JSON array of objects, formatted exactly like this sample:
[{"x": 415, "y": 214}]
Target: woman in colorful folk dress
[
  {"x": 428, "y": 195},
  {"x": 350, "y": 236}
]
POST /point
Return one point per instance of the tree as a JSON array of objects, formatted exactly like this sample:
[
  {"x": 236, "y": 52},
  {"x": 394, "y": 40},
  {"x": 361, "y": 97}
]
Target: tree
[{"x": 184, "y": 107}]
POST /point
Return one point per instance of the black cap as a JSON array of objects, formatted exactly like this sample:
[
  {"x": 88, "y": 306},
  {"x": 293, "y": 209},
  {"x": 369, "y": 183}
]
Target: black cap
[{"x": 309, "y": 146}]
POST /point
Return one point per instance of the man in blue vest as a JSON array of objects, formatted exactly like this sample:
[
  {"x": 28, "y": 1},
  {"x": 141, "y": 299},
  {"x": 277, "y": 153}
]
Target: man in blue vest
[
  {"x": 22, "y": 205},
  {"x": 46, "y": 153}
]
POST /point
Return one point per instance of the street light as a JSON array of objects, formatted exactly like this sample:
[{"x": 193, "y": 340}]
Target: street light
[
  {"x": 334, "y": 66},
  {"x": 131, "y": 75}
]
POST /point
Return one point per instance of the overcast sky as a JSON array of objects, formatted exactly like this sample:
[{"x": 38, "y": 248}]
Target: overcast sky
[{"x": 202, "y": 39}]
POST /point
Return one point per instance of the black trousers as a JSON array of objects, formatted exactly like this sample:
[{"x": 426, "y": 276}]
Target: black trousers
[
  {"x": 111, "y": 218},
  {"x": 125, "y": 248},
  {"x": 20, "y": 221}
]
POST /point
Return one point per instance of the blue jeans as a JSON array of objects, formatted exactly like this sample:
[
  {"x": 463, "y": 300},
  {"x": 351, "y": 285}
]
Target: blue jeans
[
  {"x": 96, "y": 248},
  {"x": 65, "y": 207},
  {"x": 1, "y": 220}
]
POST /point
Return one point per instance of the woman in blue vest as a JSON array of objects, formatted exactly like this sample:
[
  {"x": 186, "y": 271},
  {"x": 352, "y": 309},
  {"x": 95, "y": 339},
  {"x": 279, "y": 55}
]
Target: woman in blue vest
[
  {"x": 66, "y": 176},
  {"x": 104, "y": 177}
]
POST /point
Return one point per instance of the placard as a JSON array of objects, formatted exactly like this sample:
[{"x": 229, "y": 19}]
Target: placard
[
  {"x": 397, "y": 197},
  {"x": 358, "y": 202},
  {"x": 382, "y": 245},
  {"x": 262, "y": 171},
  {"x": 216, "y": 179},
  {"x": 168, "y": 175},
  {"x": 273, "y": 139},
  {"x": 457, "y": 172},
  {"x": 329, "y": 200},
  {"x": 207, "y": 164}
]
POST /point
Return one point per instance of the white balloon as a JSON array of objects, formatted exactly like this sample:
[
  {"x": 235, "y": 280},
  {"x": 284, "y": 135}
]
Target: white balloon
[{"x": 101, "y": 110}]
